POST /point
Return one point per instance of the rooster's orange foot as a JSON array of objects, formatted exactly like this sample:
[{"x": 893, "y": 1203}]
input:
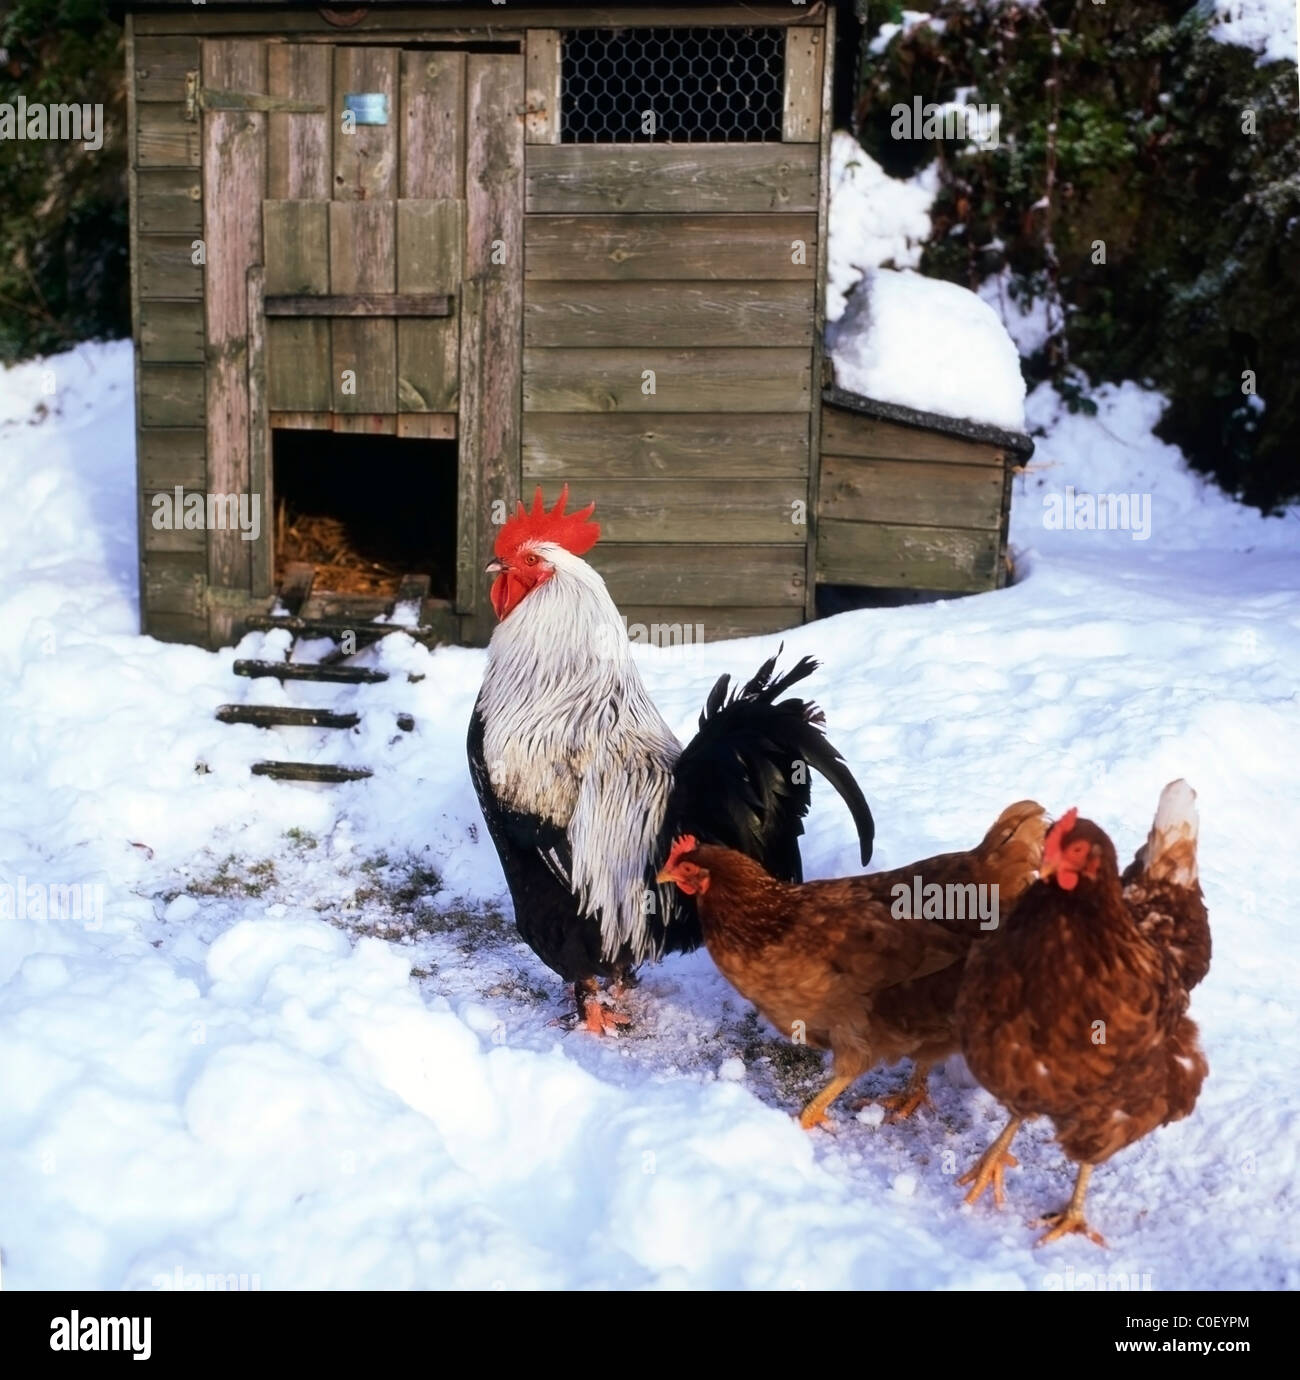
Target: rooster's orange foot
[
  {"x": 1066, "y": 1223},
  {"x": 603, "y": 1020}
]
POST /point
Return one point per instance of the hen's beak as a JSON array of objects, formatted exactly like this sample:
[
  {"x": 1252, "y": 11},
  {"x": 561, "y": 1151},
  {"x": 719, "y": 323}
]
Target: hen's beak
[
  {"x": 494, "y": 568},
  {"x": 1046, "y": 869},
  {"x": 664, "y": 876}
]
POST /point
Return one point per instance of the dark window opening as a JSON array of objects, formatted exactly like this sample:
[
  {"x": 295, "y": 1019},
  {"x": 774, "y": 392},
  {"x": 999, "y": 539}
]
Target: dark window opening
[
  {"x": 365, "y": 510},
  {"x": 696, "y": 85}
]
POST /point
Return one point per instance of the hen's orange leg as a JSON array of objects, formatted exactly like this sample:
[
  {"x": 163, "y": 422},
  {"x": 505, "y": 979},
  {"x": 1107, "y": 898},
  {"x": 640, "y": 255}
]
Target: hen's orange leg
[
  {"x": 916, "y": 1094},
  {"x": 814, "y": 1114},
  {"x": 991, "y": 1165},
  {"x": 1071, "y": 1220},
  {"x": 597, "y": 1018}
]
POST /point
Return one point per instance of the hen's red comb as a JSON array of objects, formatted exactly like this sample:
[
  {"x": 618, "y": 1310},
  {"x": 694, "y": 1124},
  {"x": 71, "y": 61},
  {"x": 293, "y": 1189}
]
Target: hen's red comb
[
  {"x": 1058, "y": 831},
  {"x": 572, "y": 531},
  {"x": 682, "y": 845}
]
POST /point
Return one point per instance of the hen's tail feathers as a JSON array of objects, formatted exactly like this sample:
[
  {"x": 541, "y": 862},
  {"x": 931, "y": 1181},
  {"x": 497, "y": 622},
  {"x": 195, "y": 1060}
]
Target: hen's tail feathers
[
  {"x": 1012, "y": 851},
  {"x": 1169, "y": 854},
  {"x": 743, "y": 780}
]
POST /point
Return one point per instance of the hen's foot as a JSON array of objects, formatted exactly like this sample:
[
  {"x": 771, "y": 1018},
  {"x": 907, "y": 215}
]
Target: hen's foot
[
  {"x": 988, "y": 1170},
  {"x": 814, "y": 1114},
  {"x": 1066, "y": 1223},
  {"x": 1070, "y": 1221},
  {"x": 900, "y": 1105}
]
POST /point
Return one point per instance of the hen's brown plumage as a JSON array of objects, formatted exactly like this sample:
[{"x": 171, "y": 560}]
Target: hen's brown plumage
[
  {"x": 841, "y": 965},
  {"x": 1076, "y": 1008}
]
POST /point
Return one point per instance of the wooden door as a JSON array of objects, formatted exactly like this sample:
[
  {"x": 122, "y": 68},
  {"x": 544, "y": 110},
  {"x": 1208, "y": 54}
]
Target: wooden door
[{"x": 363, "y": 215}]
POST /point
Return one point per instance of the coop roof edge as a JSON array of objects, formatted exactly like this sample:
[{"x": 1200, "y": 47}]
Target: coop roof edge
[{"x": 1015, "y": 441}]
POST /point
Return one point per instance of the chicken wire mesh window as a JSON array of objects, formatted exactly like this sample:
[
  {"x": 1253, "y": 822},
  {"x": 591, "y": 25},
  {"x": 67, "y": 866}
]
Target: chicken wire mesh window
[{"x": 692, "y": 85}]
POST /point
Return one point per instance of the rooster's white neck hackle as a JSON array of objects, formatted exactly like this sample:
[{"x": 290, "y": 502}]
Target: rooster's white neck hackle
[{"x": 571, "y": 735}]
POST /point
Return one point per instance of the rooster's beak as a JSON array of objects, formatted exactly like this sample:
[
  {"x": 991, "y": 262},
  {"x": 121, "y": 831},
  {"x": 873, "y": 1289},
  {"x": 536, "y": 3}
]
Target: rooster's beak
[{"x": 493, "y": 568}]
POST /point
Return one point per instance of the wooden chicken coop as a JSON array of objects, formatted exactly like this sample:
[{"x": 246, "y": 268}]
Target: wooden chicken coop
[{"x": 394, "y": 265}]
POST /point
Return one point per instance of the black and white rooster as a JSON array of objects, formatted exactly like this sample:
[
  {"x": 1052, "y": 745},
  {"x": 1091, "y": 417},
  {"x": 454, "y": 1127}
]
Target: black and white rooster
[{"x": 583, "y": 785}]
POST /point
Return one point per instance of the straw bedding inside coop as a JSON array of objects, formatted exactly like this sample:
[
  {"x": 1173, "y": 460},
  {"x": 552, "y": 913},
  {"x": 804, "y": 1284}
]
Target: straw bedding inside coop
[{"x": 365, "y": 510}]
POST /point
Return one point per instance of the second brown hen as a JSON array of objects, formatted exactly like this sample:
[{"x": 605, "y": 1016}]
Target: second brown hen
[{"x": 847, "y": 965}]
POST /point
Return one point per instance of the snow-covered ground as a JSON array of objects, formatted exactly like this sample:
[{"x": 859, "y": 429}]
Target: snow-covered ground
[{"x": 294, "y": 1038}]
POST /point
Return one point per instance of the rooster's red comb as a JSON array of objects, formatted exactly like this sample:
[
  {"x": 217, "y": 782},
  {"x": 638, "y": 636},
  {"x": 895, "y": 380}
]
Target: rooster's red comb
[
  {"x": 685, "y": 843},
  {"x": 573, "y": 531},
  {"x": 1056, "y": 835}
]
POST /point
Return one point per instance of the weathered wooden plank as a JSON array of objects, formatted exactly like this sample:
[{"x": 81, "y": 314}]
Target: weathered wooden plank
[
  {"x": 161, "y": 65},
  {"x": 910, "y": 492},
  {"x": 849, "y": 433},
  {"x": 424, "y": 426},
  {"x": 802, "y": 109},
  {"x": 310, "y": 671},
  {"x": 171, "y": 332},
  {"x": 320, "y": 773},
  {"x": 626, "y": 247},
  {"x": 365, "y": 156},
  {"x": 364, "y": 423},
  {"x": 176, "y": 627},
  {"x": 430, "y": 260},
  {"x": 668, "y": 314},
  {"x": 262, "y": 555},
  {"x": 757, "y": 380},
  {"x": 819, "y": 325},
  {"x": 171, "y": 457},
  {"x": 716, "y": 576},
  {"x": 669, "y": 626},
  {"x": 362, "y": 304},
  {"x": 300, "y": 153},
  {"x": 486, "y": 21},
  {"x": 234, "y": 181},
  {"x": 470, "y": 527},
  {"x": 174, "y": 583},
  {"x": 167, "y": 267},
  {"x": 160, "y": 531},
  {"x": 896, "y": 557},
  {"x": 284, "y": 715},
  {"x": 169, "y": 200},
  {"x": 671, "y": 177},
  {"x": 433, "y": 125},
  {"x": 164, "y": 137},
  {"x": 494, "y": 255},
  {"x": 362, "y": 259},
  {"x": 296, "y": 234},
  {"x": 542, "y": 50},
  {"x": 171, "y": 395},
  {"x": 698, "y": 510},
  {"x": 613, "y": 445},
  {"x": 300, "y": 167},
  {"x": 427, "y": 426}
]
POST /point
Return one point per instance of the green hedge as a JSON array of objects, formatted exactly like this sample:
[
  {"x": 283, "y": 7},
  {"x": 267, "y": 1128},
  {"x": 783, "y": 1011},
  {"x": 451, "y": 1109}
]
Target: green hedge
[
  {"x": 1200, "y": 220},
  {"x": 63, "y": 208}
]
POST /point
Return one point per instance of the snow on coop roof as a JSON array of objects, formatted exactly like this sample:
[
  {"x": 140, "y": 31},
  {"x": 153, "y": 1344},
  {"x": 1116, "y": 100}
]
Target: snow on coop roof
[{"x": 930, "y": 346}]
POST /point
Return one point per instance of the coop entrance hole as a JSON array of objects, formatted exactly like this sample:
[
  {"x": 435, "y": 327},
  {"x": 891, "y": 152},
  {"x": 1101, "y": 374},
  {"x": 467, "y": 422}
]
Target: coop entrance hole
[{"x": 365, "y": 510}]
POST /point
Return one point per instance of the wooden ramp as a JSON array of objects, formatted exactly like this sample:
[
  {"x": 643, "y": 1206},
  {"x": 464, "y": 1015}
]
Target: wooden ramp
[{"x": 406, "y": 611}]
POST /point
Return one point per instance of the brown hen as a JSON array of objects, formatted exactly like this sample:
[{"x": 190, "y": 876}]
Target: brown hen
[
  {"x": 1076, "y": 1008},
  {"x": 846, "y": 965}
]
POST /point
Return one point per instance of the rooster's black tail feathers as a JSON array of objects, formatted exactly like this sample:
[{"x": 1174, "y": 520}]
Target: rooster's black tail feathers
[{"x": 744, "y": 780}]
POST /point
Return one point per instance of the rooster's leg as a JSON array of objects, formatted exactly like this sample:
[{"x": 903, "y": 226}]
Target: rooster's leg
[
  {"x": 1071, "y": 1219},
  {"x": 916, "y": 1094},
  {"x": 814, "y": 1114},
  {"x": 599, "y": 1019},
  {"x": 991, "y": 1165}
]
